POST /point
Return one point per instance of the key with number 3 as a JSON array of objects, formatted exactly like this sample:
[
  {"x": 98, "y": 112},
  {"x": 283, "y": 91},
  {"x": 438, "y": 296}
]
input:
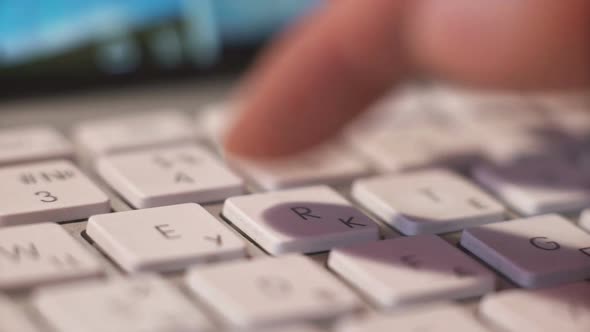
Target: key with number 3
[{"x": 48, "y": 192}]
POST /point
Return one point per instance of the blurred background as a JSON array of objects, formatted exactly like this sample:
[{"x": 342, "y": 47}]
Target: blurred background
[{"x": 49, "y": 46}]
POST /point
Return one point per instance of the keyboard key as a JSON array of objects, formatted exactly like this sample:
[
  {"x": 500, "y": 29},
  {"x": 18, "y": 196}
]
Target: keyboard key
[
  {"x": 293, "y": 328},
  {"x": 303, "y": 220},
  {"x": 584, "y": 221},
  {"x": 431, "y": 201},
  {"x": 169, "y": 176},
  {"x": 534, "y": 187},
  {"x": 534, "y": 252},
  {"x": 48, "y": 191},
  {"x": 164, "y": 239},
  {"x": 143, "y": 304},
  {"x": 411, "y": 270},
  {"x": 563, "y": 308},
  {"x": 13, "y": 318},
  {"x": 271, "y": 291},
  {"x": 29, "y": 144},
  {"x": 43, "y": 253},
  {"x": 508, "y": 143},
  {"x": 416, "y": 147},
  {"x": 484, "y": 109},
  {"x": 213, "y": 121},
  {"x": 573, "y": 119},
  {"x": 441, "y": 317},
  {"x": 331, "y": 164},
  {"x": 106, "y": 136}
]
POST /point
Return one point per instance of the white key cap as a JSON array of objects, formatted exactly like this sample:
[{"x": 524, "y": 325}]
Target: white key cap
[
  {"x": 28, "y": 144},
  {"x": 563, "y": 308},
  {"x": 537, "y": 187},
  {"x": 213, "y": 121},
  {"x": 330, "y": 164},
  {"x": 13, "y": 318},
  {"x": 417, "y": 147},
  {"x": 441, "y": 317},
  {"x": 303, "y": 220},
  {"x": 143, "y": 304},
  {"x": 169, "y": 176},
  {"x": 534, "y": 252},
  {"x": 482, "y": 107},
  {"x": 575, "y": 120},
  {"x": 48, "y": 191},
  {"x": 405, "y": 106},
  {"x": 431, "y": 201},
  {"x": 99, "y": 137},
  {"x": 164, "y": 239},
  {"x": 411, "y": 270},
  {"x": 291, "y": 328},
  {"x": 270, "y": 291},
  {"x": 584, "y": 221},
  {"x": 508, "y": 143},
  {"x": 44, "y": 253}
]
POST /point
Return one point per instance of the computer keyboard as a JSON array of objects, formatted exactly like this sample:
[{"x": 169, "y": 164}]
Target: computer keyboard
[{"x": 443, "y": 210}]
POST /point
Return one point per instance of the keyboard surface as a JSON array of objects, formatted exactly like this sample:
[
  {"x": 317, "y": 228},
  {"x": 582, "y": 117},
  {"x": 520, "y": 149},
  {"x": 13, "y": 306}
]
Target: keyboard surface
[{"x": 442, "y": 210}]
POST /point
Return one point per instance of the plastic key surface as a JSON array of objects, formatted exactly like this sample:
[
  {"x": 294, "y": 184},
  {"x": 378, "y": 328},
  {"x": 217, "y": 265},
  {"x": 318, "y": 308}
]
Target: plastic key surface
[
  {"x": 562, "y": 308},
  {"x": 302, "y": 220},
  {"x": 48, "y": 191},
  {"x": 426, "y": 202},
  {"x": 28, "y": 144},
  {"x": 440, "y": 317},
  {"x": 135, "y": 131},
  {"x": 164, "y": 238},
  {"x": 33, "y": 255},
  {"x": 141, "y": 304},
  {"x": 271, "y": 291},
  {"x": 411, "y": 270},
  {"x": 167, "y": 176},
  {"x": 534, "y": 252}
]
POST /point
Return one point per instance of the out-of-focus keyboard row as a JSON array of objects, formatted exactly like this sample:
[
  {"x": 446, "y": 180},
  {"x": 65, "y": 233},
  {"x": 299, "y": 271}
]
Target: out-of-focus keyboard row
[{"x": 404, "y": 225}]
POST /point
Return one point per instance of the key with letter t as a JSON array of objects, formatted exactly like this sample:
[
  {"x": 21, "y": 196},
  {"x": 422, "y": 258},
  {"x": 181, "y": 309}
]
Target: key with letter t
[{"x": 427, "y": 202}]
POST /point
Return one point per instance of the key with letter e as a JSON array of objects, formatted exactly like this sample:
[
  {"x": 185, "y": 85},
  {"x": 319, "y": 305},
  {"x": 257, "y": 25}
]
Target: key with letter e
[{"x": 164, "y": 238}]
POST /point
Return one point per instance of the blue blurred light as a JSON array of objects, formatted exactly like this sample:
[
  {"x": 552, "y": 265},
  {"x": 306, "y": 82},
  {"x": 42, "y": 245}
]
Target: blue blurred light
[{"x": 30, "y": 29}]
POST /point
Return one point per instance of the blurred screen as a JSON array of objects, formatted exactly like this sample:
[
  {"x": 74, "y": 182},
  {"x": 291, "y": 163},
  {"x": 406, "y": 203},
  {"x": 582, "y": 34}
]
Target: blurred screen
[{"x": 97, "y": 38}]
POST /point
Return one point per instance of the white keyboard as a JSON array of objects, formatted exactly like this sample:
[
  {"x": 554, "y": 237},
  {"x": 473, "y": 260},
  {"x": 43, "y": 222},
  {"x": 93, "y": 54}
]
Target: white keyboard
[{"x": 457, "y": 212}]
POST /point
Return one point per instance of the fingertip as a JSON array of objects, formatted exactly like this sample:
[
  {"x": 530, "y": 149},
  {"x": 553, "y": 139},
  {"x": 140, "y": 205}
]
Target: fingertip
[
  {"x": 310, "y": 88},
  {"x": 532, "y": 44}
]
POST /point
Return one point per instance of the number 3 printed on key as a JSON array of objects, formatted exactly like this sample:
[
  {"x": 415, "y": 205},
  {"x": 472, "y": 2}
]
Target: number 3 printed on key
[{"x": 46, "y": 197}]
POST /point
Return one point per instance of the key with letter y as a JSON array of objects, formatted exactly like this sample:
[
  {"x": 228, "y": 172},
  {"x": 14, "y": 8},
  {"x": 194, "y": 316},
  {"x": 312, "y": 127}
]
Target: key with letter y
[{"x": 164, "y": 238}]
